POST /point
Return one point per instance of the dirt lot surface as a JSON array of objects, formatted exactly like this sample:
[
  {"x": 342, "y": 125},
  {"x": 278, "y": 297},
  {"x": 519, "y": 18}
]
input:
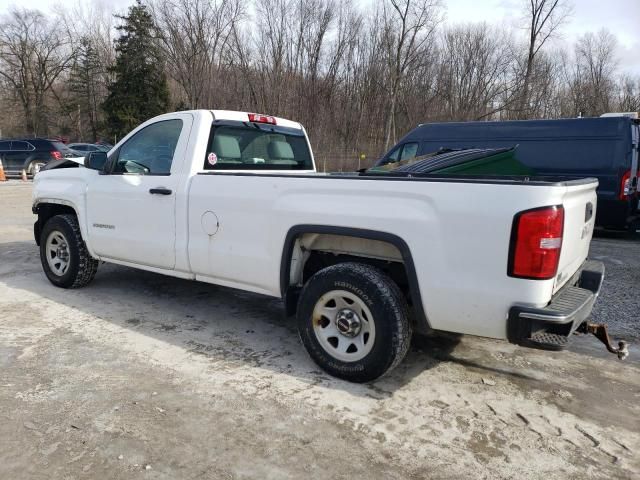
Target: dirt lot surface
[{"x": 145, "y": 376}]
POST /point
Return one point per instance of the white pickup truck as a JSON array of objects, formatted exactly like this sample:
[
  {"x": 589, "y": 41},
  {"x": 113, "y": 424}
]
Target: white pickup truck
[{"x": 233, "y": 199}]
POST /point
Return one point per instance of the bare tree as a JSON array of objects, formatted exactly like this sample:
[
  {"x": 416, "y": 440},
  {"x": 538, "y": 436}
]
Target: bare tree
[
  {"x": 545, "y": 17},
  {"x": 274, "y": 44},
  {"x": 356, "y": 74},
  {"x": 80, "y": 90},
  {"x": 34, "y": 51},
  {"x": 629, "y": 96},
  {"x": 194, "y": 35},
  {"x": 409, "y": 25},
  {"x": 471, "y": 75},
  {"x": 595, "y": 67}
]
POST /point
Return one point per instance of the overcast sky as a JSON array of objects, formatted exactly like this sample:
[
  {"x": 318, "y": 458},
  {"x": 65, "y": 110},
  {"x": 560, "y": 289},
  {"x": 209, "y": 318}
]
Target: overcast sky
[{"x": 621, "y": 17}]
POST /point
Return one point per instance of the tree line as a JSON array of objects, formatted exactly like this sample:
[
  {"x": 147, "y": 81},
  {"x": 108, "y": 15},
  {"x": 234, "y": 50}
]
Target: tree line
[{"x": 358, "y": 76}]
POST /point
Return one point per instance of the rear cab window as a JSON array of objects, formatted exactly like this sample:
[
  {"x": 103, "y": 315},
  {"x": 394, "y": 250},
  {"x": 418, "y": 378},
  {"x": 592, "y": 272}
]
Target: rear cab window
[{"x": 254, "y": 146}]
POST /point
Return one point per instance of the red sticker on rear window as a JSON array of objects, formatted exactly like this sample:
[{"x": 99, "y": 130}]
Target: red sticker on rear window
[{"x": 212, "y": 158}]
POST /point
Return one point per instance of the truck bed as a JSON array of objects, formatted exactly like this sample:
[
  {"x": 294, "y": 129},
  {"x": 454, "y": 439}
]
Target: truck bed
[{"x": 457, "y": 228}]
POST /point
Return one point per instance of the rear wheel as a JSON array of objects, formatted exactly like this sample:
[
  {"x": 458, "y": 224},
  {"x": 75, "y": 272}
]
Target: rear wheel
[
  {"x": 64, "y": 256},
  {"x": 634, "y": 229},
  {"x": 35, "y": 166},
  {"x": 353, "y": 320}
]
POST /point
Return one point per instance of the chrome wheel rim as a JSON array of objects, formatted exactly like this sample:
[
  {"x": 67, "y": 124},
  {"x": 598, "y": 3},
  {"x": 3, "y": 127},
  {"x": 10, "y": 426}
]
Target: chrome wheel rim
[
  {"x": 344, "y": 325},
  {"x": 57, "y": 253}
]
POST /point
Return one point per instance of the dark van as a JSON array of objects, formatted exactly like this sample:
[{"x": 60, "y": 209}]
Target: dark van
[{"x": 605, "y": 148}]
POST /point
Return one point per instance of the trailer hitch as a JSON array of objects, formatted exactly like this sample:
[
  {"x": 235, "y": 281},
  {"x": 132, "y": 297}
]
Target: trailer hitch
[{"x": 599, "y": 330}]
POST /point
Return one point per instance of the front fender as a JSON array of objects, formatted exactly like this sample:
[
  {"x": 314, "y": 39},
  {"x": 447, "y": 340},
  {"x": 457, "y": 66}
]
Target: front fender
[
  {"x": 62, "y": 191},
  {"x": 45, "y": 209}
]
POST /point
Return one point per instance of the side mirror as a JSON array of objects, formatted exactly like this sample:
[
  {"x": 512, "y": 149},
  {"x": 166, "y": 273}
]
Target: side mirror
[{"x": 95, "y": 160}]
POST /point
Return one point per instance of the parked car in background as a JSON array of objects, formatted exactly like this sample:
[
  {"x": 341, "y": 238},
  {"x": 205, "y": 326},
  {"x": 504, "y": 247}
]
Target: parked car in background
[
  {"x": 104, "y": 144},
  {"x": 30, "y": 154},
  {"x": 605, "y": 148},
  {"x": 83, "y": 148}
]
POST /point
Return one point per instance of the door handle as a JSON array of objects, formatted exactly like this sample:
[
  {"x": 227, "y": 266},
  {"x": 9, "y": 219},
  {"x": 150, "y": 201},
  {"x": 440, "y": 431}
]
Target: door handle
[{"x": 160, "y": 191}]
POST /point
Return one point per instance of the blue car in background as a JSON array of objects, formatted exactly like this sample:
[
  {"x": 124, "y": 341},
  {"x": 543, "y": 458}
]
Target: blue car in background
[{"x": 604, "y": 147}]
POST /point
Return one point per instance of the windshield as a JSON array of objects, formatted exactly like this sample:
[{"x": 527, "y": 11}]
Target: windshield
[{"x": 257, "y": 147}]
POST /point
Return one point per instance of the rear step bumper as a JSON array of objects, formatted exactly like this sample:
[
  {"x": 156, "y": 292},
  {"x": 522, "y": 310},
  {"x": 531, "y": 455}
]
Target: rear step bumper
[{"x": 549, "y": 327}]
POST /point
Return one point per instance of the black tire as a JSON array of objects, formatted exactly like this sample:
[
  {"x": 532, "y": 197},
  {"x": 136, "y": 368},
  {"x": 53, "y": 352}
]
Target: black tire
[
  {"x": 385, "y": 302},
  {"x": 634, "y": 229},
  {"x": 81, "y": 266}
]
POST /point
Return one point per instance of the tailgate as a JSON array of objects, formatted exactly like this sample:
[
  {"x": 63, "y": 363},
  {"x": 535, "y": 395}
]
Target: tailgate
[{"x": 579, "y": 204}]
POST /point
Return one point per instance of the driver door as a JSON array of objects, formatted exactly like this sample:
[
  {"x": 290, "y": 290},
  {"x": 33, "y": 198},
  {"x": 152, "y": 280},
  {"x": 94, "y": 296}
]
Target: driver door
[{"x": 131, "y": 206}]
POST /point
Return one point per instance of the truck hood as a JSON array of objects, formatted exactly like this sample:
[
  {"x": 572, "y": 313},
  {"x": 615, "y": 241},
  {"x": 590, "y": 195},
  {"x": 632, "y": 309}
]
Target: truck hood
[{"x": 69, "y": 162}]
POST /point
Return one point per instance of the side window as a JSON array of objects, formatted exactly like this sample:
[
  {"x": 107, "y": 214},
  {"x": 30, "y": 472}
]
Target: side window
[
  {"x": 151, "y": 150},
  {"x": 5, "y": 146},
  {"x": 21, "y": 146},
  {"x": 409, "y": 151}
]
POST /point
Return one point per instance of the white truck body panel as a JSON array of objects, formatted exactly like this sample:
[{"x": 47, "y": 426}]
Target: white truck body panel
[
  {"x": 458, "y": 232},
  {"x": 459, "y": 276}
]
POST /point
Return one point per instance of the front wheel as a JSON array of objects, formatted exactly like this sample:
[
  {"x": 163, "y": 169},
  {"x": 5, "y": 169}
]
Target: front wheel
[
  {"x": 64, "y": 256},
  {"x": 353, "y": 320}
]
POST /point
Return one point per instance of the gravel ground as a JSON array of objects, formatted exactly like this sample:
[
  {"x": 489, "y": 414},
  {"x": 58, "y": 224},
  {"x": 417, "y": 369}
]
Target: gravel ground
[
  {"x": 619, "y": 302},
  {"x": 145, "y": 376}
]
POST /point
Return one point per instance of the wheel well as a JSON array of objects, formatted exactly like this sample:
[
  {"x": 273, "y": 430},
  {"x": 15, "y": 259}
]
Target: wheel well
[
  {"x": 46, "y": 211},
  {"x": 309, "y": 249},
  {"x": 318, "y": 259}
]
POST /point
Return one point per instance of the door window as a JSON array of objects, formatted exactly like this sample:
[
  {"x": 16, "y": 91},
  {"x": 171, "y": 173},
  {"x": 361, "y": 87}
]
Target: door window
[
  {"x": 5, "y": 146},
  {"x": 151, "y": 150}
]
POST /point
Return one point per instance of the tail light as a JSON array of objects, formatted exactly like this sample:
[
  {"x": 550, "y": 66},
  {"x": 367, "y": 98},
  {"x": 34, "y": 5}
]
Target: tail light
[
  {"x": 56, "y": 155},
  {"x": 259, "y": 118},
  {"x": 536, "y": 241},
  {"x": 625, "y": 186}
]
